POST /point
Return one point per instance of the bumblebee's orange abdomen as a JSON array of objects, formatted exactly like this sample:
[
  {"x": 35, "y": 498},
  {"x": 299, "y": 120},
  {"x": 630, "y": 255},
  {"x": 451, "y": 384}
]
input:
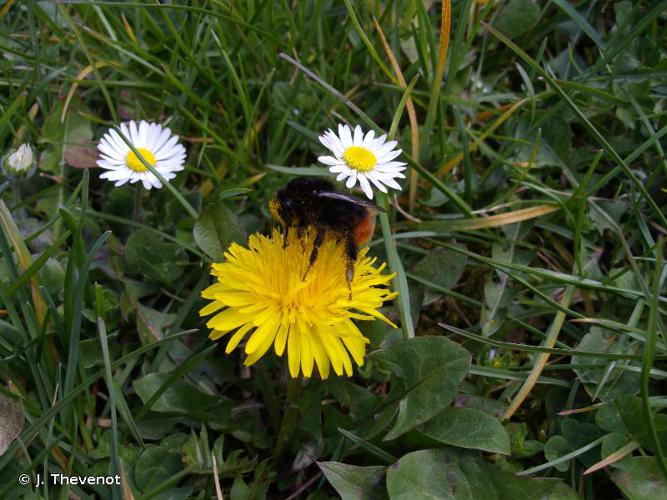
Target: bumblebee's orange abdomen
[{"x": 364, "y": 230}]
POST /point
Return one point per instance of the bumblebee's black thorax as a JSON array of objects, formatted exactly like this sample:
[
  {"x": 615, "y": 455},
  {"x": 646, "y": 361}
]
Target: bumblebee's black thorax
[{"x": 300, "y": 206}]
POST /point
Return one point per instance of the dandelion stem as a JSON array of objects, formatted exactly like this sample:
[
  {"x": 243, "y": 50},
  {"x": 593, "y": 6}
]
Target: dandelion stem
[{"x": 289, "y": 421}]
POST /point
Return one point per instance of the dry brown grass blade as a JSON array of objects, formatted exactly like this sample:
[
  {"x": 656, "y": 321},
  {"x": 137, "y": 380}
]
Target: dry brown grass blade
[
  {"x": 5, "y": 9},
  {"x": 542, "y": 358},
  {"x": 128, "y": 29},
  {"x": 443, "y": 45},
  {"x": 8, "y": 226},
  {"x": 412, "y": 115},
  {"x": 216, "y": 478},
  {"x": 584, "y": 409},
  {"x": 447, "y": 167},
  {"x": 32, "y": 112},
  {"x": 506, "y": 218},
  {"x": 81, "y": 76},
  {"x": 126, "y": 491},
  {"x": 612, "y": 458}
]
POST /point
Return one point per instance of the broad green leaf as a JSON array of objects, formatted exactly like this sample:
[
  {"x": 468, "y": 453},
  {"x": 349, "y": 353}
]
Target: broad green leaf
[
  {"x": 556, "y": 447},
  {"x": 498, "y": 292},
  {"x": 517, "y": 17},
  {"x": 158, "y": 464},
  {"x": 179, "y": 397},
  {"x": 630, "y": 409},
  {"x": 149, "y": 256},
  {"x": 641, "y": 479},
  {"x": 431, "y": 474},
  {"x": 427, "y": 372},
  {"x": 442, "y": 267},
  {"x": 468, "y": 428},
  {"x": 613, "y": 442},
  {"x": 353, "y": 482},
  {"x": 609, "y": 419},
  {"x": 579, "y": 434},
  {"x": 216, "y": 229},
  {"x": 608, "y": 381},
  {"x": 522, "y": 447},
  {"x": 151, "y": 324},
  {"x": 446, "y": 474},
  {"x": 70, "y": 141},
  {"x": 240, "y": 490}
]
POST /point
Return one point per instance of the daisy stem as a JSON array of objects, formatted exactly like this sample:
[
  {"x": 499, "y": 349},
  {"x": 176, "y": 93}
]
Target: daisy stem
[
  {"x": 188, "y": 208},
  {"x": 137, "y": 202},
  {"x": 400, "y": 281}
]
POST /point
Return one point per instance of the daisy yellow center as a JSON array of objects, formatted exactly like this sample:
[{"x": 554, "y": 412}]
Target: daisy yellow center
[
  {"x": 268, "y": 293},
  {"x": 133, "y": 161},
  {"x": 360, "y": 159}
]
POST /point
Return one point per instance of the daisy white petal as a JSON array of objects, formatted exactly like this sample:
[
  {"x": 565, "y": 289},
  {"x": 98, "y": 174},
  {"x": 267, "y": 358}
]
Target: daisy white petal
[
  {"x": 380, "y": 141},
  {"x": 168, "y": 145},
  {"x": 390, "y": 182},
  {"x": 368, "y": 139},
  {"x": 386, "y": 148},
  {"x": 328, "y": 160},
  {"x": 358, "y": 136},
  {"x": 134, "y": 134},
  {"x": 144, "y": 129},
  {"x": 162, "y": 137},
  {"x": 345, "y": 136},
  {"x": 392, "y": 164},
  {"x": 365, "y": 186},
  {"x": 125, "y": 130},
  {"x": 373, "y": 178},
  {"x": 112, "y": 175},
  {"x": 324, "y": 139},
  {"x": 108, "y": 165},
  {"x": 351, "y": 181}
]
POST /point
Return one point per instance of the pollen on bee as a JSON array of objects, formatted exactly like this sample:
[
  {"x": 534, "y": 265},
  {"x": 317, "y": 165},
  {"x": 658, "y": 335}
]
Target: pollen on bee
[{"x": 273, "y": 210}]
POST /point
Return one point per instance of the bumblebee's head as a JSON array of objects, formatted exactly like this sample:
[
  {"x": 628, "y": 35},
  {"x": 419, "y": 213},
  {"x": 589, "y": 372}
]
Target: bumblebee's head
[{"x": 274, "y": 210}]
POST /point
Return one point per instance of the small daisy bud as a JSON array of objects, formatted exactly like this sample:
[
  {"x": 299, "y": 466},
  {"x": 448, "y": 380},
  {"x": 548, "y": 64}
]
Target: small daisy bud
[{"x": 19, "y": 163}]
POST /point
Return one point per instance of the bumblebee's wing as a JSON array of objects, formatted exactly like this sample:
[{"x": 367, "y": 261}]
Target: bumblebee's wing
[{"x": 335, "y": 195}]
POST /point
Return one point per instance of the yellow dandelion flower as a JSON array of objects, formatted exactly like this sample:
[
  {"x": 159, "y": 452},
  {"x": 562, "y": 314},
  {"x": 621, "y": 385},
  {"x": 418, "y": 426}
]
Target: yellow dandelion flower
[{"x": 263, "y": 293}]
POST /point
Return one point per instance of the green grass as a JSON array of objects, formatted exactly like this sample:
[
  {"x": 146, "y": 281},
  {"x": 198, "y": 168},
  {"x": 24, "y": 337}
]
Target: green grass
[{"x": 529, "y": 252}]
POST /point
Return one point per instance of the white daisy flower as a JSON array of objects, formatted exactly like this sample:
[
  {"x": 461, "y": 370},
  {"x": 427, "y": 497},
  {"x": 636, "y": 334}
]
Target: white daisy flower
[
  {"x": 362, "y": 158},
  {"x": 156, "y": 145}
]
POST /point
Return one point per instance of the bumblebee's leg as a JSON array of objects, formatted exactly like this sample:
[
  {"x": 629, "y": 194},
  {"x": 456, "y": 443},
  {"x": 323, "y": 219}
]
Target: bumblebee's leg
[
  {"x": 317, "y": 243},
  {"x": 351, "y": 258},
  {"x": 288, "y": 221}
]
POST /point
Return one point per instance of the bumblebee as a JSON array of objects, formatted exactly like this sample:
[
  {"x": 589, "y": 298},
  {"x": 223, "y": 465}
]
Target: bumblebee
[{"x": 312, "y": 203}]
